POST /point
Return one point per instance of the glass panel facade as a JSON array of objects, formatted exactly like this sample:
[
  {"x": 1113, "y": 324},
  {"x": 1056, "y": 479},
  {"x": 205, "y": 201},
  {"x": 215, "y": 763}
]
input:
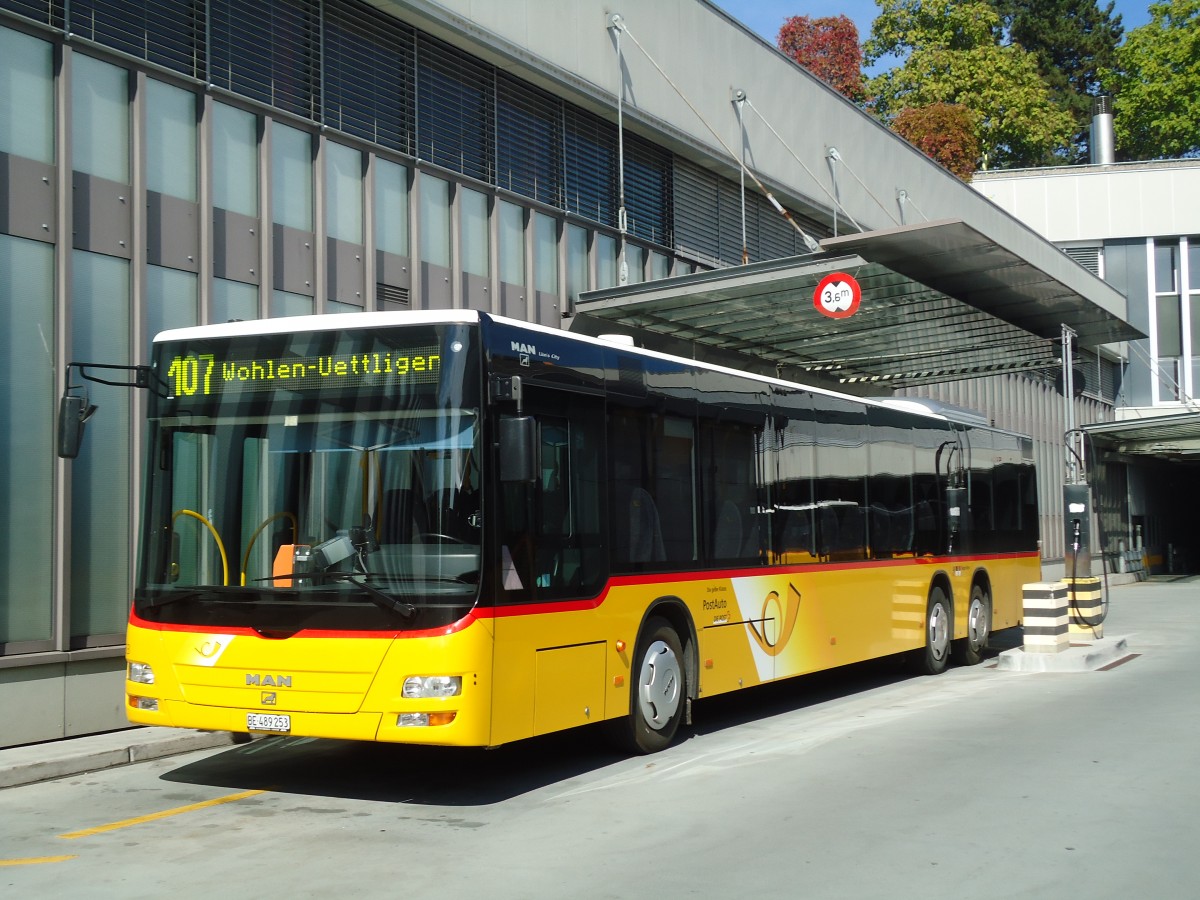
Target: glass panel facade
[
  {"x": 435, "y": 221},
  {"x": 284, "y": 303},
  {"x": 512, "y": 243},
  {"x": 1165, "y": 268},
  {"x": 545, "y": 253},
  {"x": 291, "y": 177},
  {"x": 606, "y": 261},
  {"x": 577, "y": 261},
  {"x": 27, "y": 440},
  {"x": 100, "y": 119},
  {"x": 26, "y": 96},
  {"x": 170, "y": 300},
  {"x": 101, "y": 489},
  {"x": 235, "y": 160},
  {"x": 170, "y": 140},
  {"x": 233, "y": 300},
  {"x": 391, "y": 207},
  {"x": 343, "y": 193},
  {"x": 473, "y": 212}
]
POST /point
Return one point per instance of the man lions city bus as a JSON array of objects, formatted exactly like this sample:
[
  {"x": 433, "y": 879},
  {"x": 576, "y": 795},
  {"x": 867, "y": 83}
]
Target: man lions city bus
[{"x": 451, "y": 528}]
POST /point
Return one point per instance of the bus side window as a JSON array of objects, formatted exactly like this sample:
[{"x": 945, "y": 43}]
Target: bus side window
[{"x": 551, "y": 529}]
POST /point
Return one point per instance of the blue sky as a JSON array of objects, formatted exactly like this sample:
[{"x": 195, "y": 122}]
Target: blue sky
[{"x": 765, "y": 16}]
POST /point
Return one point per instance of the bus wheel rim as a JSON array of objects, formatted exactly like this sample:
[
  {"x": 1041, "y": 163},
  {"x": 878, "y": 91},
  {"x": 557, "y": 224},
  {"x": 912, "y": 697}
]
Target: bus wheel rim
[
  {"x": 977, "y": 622},
  {"x": 939, "y": 631},
  {"x": 659, "y": 685}
]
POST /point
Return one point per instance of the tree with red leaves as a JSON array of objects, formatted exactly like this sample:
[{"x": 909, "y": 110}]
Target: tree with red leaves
[
  {"x": 828, "y": 47},
  {"x": 945, "y": 132}
]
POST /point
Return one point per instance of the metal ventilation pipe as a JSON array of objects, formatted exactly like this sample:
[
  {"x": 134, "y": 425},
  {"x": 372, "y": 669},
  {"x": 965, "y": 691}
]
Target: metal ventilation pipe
[{"x": 1102, "y": 147}]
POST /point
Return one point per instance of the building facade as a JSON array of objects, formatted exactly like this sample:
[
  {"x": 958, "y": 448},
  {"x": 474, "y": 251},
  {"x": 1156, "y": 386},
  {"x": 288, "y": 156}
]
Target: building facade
[
  {"x": 1136, "y": 225},
  {"x": 195, "y": 161}
]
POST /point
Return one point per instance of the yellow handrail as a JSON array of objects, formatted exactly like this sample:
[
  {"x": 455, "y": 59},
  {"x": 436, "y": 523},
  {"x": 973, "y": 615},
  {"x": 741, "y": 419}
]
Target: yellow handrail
[
  {"x": 216, "y": 537},
  {"x": 254, "y": 537}
]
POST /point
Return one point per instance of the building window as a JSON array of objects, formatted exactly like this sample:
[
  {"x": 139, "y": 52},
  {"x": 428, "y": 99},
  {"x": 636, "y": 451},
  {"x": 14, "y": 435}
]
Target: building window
[
  {"x": 476, "y": 248},
  {"x": 100, "y": 119},
  {"x": 1175, "y": 308},
  {"x": 512, "y": 243},
  {"x": 391, "y": 207},
  {"x": 170, "y": 140},
  {"x": 455, "y": 97},
  {"x": 545, "y": 253},
  {"x": 343, "y": 193},
  {"x": 101, "y": 487},
  {"x": 235, "y": 160},
  {"x": 233, "y": 301},
  {"x": 606, "y": 261},
  {"x": 577, "y": 261},
  {"x": 171, "y": 297},
  {"x": 26, "y": 444},
  {"x": 271, "y": 55},
  {"x": 27, "y": 97},
  {"x": 291, "y": 177},
  {"x": 368, "y": 65},
  {"x": 435, "y": 221}
]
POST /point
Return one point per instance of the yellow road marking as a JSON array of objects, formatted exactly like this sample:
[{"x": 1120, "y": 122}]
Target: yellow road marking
[
  {"x": 35, "y": 860},
  {"x": 138, "y": 820}
]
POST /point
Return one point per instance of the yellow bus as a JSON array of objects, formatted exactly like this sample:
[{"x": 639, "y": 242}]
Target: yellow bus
[{"x": 451, "y": 528}]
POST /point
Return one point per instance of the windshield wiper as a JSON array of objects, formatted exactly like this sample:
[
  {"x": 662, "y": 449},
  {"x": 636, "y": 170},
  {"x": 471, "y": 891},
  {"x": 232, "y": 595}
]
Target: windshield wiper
[{"x": 376, "y": 596}]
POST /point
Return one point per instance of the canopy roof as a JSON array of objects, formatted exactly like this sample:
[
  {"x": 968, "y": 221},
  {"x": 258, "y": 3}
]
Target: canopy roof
[{"x": 940, "y": 301}]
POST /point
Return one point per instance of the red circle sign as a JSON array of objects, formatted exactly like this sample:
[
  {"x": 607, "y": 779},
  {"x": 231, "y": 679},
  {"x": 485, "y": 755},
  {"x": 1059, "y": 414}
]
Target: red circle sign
[{"x": 837, "y": 296}]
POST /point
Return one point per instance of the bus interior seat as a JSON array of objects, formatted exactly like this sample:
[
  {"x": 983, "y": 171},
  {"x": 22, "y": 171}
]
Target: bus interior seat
[
  {"x": 727, "y": 536},
  {"x": 645, "y": 528}
]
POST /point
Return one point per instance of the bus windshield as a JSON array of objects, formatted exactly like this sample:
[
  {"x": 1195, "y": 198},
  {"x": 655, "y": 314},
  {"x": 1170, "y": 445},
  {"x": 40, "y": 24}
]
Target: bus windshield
[{"x": 314, "y": 480}]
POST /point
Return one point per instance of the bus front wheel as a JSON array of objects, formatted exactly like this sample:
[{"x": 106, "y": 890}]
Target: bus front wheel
[
  {"x": 938, "y": 631},
  {"x": 659, "y": 691}
]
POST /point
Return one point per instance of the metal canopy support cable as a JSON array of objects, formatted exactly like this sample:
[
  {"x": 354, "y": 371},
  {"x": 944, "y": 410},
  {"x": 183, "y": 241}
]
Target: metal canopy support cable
[
  {"x": 622, "y": 215},
  {"x": 617, "y": 23},
  {"x": 837, "y": 157},
  {"x": 832, "y": 199}
]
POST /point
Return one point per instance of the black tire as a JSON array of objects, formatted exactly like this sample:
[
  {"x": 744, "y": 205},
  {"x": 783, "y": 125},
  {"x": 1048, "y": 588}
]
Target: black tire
[
  {"x": 968, "y": 651},
  {"x": 939, "y": 627},
  {"x": 657, "y": 693}
]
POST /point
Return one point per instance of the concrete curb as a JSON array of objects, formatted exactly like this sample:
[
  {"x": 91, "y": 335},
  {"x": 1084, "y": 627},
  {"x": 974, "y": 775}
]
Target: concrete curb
[
  {"x": 1079, "y": 657},
  {"x": 59, "y": 759}
]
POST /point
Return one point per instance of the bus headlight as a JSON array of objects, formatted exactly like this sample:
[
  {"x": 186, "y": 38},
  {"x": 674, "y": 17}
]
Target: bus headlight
[
  {"x": 141, "y": 673},
  {"x": 421, "y": 687}
]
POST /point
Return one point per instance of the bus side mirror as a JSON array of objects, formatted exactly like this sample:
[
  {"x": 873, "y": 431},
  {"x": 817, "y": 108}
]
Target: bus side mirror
[
  {"x": 518, "y": 449},
  {"x": 73, "y": 413}
]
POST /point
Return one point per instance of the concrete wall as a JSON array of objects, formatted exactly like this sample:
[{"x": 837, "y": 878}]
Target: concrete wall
[{"x": 61, "y": 699}]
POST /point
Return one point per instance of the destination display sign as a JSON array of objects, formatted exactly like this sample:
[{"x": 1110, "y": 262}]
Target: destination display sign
[{"x": 216, "y": 374}]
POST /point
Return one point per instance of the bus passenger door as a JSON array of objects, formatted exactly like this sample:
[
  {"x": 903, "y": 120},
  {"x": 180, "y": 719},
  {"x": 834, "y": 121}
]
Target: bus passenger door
[{"x": 550, "y": 658}]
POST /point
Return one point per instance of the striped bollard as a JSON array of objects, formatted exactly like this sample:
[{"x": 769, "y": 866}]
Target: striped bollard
[
  {"x": 1045, "y": 617},
  {"x": 1086, "y": 603}
]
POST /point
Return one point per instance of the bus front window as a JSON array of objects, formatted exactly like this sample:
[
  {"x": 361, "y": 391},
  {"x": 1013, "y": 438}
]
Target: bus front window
[{"x": 323, "y": 510}]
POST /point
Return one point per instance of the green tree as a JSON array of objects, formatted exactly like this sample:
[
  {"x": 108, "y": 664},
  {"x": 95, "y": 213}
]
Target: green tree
[
  {"x": 1072, "y": 40},
  {"x": 951, "y": 54},
  {"x": 1156, "y": 85},
  {"x": 945, "y": 132}
]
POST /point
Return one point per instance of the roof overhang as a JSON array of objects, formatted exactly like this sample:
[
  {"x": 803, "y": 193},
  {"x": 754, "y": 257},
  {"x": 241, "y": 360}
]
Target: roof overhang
[
  {"x": 940, "y": 301},
  {"x": 1164, "y": 437}
]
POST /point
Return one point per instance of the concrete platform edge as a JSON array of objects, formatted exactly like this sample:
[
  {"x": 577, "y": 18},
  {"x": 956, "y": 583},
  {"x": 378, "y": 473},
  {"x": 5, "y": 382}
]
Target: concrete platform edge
[
  {"x": 1079, "y": 657},
  {"x": 74, "y": 756}
]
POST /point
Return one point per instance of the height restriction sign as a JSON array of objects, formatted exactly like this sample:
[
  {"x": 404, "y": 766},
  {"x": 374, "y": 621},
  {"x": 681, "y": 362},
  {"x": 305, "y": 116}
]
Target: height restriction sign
[{"x": 837, "y": 296}]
